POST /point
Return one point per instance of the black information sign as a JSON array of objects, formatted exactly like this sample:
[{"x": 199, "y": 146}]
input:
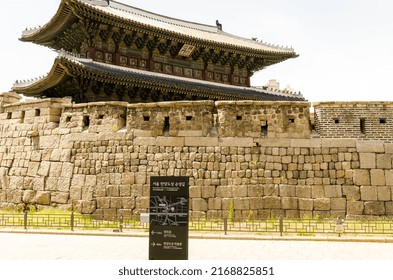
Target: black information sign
[{"x": 168, "y": 231}]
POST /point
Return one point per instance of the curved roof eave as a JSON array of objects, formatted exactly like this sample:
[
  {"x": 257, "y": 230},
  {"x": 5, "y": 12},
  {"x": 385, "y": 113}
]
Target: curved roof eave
[
  {"x": 65, "y": 64},
  {"x": 66, "y": 15}
]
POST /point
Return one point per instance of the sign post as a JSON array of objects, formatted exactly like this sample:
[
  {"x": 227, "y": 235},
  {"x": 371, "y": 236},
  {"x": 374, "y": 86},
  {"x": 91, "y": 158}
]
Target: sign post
[{"x": 168, "y": 230}]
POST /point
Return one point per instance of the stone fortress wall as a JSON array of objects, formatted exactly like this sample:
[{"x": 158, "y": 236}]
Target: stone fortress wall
[{"x": 257, "y": 159}]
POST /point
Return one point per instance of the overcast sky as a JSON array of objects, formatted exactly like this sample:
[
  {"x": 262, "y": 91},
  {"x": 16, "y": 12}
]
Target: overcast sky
[{"x": 345, "y": 46}]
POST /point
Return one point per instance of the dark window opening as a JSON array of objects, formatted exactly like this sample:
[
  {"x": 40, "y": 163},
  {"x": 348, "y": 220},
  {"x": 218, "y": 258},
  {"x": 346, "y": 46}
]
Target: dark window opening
[
  {"x": 101, "y": 117},
  {"x": 166, "y": 126},
  {"x": 37, "y": 112},
  {"x": 86, "y": 121},
  {"x": 22, "y": 116},
  {"x": 188, "y": 118},
  {"x": 239, "y": 118},
  {"x": 264, "y": 129},
  {"x": 382, "y": 121},
  {"x": 336, "y": 120},
  {"x": 146, "y": 118},
  {"x": 68, "y": 119},
  {"x": 9, "y": 116},
  {"x": 291, "y": 120},
  {"x": 363, "y": 126}
]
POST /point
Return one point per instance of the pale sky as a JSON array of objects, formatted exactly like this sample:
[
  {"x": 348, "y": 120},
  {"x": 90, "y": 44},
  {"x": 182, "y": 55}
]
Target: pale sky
[{"x": 345, "y": 46}]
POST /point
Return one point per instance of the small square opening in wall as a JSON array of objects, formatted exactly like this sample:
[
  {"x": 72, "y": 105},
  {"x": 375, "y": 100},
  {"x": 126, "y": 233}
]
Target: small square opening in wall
[
  {"x": 239, "y": 118},
  {"x": 188, "y": 118},
  {"x": 9, "y": 115},
  {"x": 101, "y": 117},
  {"x": 336, "y": 120},
  {"x": 37, "y": 112},
  {"x": 291, "y": 120},
  {"x": 68, "y": 119},
  {"x": 146, "y": 118},
  {"x": 382, "y": 120}
]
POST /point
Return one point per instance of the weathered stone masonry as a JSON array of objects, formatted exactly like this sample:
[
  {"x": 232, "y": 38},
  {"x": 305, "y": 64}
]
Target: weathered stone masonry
[{"x": 259, "y": 157}]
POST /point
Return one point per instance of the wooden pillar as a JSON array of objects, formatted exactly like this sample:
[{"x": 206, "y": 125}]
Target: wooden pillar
[{"x": 91, "y": 53}]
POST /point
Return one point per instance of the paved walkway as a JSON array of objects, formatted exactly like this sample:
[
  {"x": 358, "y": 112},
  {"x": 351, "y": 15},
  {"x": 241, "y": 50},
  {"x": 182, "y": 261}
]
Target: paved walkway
[{"x": 134, "y": 246}]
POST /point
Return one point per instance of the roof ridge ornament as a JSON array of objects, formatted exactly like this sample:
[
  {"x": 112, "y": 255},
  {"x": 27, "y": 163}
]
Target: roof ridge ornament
[{"x": 219, "y": 25}]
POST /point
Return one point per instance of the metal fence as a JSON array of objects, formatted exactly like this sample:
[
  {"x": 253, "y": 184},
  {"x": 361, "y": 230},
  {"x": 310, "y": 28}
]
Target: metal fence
[{"x": 73, "y": 221}]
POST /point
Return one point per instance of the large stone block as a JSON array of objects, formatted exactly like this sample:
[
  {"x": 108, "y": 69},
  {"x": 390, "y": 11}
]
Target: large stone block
[
  {"x": 43, "y": 198},
  {"x": 271, "y": 202},
  {"x": 112, "y": 191},
  {"x": 239, "y": 191},
  {"x": 214, "y": 203},
  {"x": 195, "y": 192},
  {"x": 374, "y": 208},
  {"x": 338, "y": 204},
  {"x": 352, "y": 193},
  {"x": 49, "y": 142},
  {"x": 333, "y": 191},
  {"x": 389, "y": 208},
  {"x": 198, "y": 204},
  {"x": 224, "y": 191},
  {"x": 389, "y": 177},
  {"x": 361, "y": 177},
  {"x": 367, "y": 160},
  {"x": 241, "y": 203},
  {"x": 44, "y": 168},
  {"x": 67, "y": 170},
  {"x": 235, "y": 142},
  {"x": 318, "y": 191},
  {"x": 78, "y": 180},
  {"x": 125, "y": 190},
  {"x": 322, "y": 204},
  {"x": 128, "y": 202},
  {"x": 201, "y": 141},
  {"x": 270, "y": 190},
  {"x": 377, "y": 177},
  {"x": 303, "y": 191},
  {"x": 63, "y": 184},
  {"x": 208, "y": 191},
  {"x": 370, "y": 147},
  {"x": 60, "y": 197},
  {"x": 368, "y": 193},
  {"x": 28, "y": 196},
  {"x": 287, "y": 191},
  {"x": 338, "y": 143},
  {"x": 33, "y": 168},
  {"x": 103, "y": 202},
  {"x": 14, "y": 196},
  {"x": 87, "y": 193},
  {"x": 384, "y": 161},
  {"x": 289, "y": 203},
  {"x": 255, "y": 190},
  {"x": 256, "y": 203},
  {"x": 116, "y": 202},
  {"x": 75, "y": 193},
  {"x": 384, "y": 193},
  {"x": 306, "y": 204},
  {"x": 170, "y": 141},
  {"x": 88, "y": 207}
]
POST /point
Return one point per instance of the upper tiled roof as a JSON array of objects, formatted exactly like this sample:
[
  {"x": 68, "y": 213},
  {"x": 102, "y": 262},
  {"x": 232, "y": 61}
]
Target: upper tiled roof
[{"x": 134, "y": 15}]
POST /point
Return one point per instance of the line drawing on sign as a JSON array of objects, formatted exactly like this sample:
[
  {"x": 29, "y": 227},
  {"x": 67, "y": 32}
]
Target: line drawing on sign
[{"x": 164, "y": 212}]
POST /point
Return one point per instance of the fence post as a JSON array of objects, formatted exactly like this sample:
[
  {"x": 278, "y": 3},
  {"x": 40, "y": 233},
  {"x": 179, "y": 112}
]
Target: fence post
[
  {"x": 25, "y": 220},
  {"x": 72, "y": 220},
  {"x": 225, "y": 225},
  {"x": 281, "y": 223},
  {"x": 121, "y": 223}
]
